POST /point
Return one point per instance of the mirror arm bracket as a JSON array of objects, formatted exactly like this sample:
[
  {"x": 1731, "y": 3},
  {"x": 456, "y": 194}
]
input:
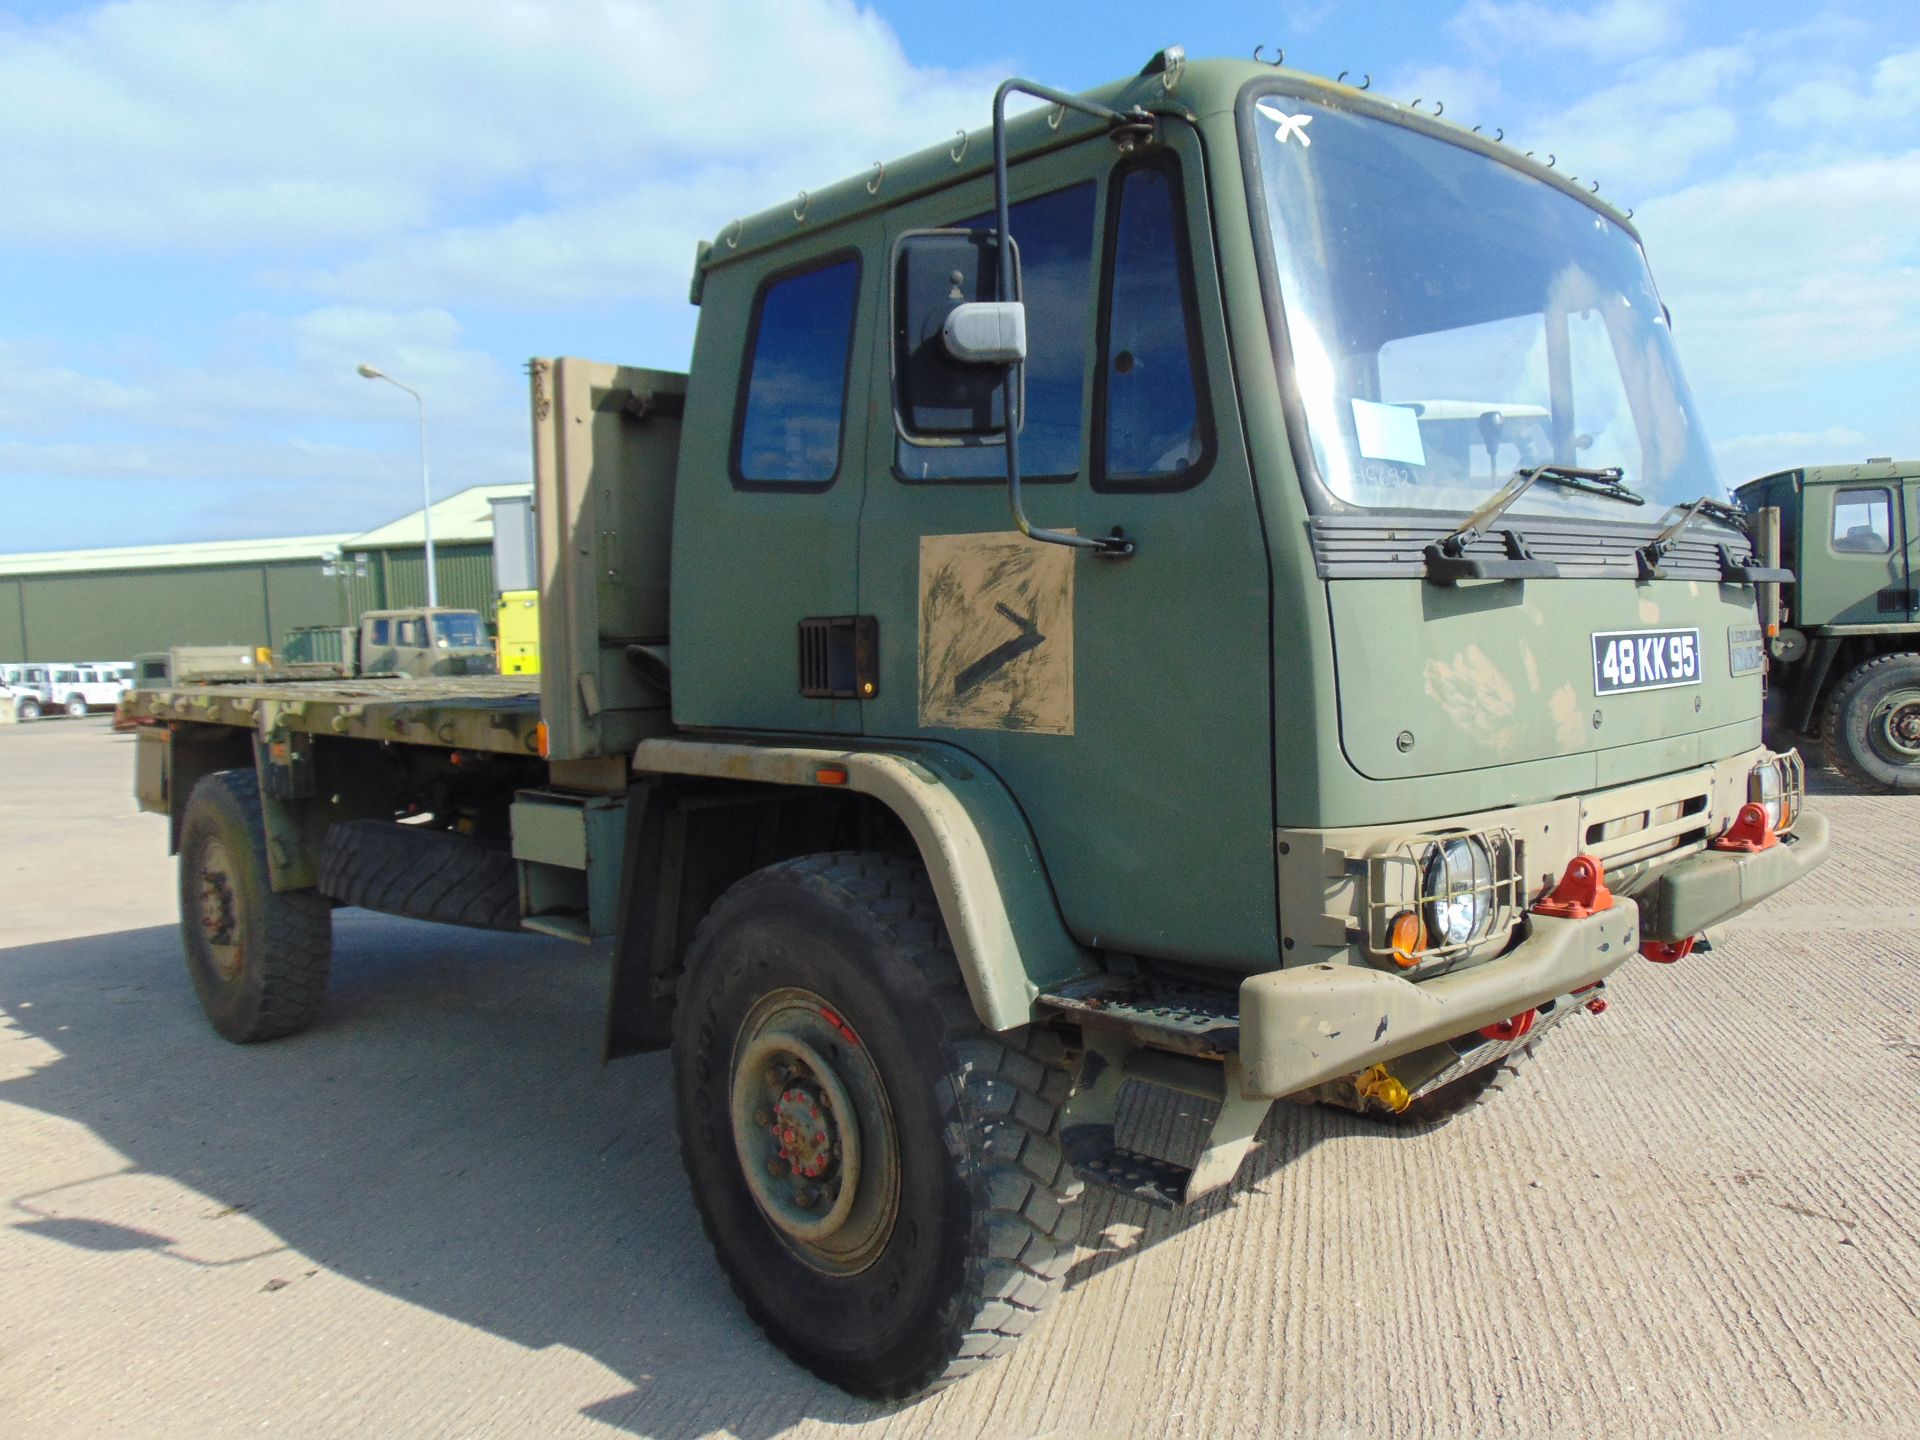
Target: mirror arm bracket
[{"x": 1116, "y": 546}]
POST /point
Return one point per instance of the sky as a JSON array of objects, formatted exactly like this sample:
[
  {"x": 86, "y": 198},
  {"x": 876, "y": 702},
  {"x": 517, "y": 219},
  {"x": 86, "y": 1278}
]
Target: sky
[{"x": 210, "y": 213}]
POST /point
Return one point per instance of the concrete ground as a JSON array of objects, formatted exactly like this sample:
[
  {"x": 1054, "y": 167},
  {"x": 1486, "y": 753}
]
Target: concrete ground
[{"x": 436, "y": 1213}]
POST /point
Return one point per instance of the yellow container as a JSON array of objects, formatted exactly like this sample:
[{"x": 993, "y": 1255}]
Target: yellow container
[{"x": 519, "y": 633}]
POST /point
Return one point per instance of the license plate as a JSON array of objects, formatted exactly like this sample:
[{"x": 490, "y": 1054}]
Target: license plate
[
  {"x": 1644, "y": 660},
  {"x": 1746, "y": 649}
]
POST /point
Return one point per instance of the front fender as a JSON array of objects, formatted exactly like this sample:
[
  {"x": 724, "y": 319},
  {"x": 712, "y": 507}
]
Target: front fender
[{"x": 994, "y": 894}]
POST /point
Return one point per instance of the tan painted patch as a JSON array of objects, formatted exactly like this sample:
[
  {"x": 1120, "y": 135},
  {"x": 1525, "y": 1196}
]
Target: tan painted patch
[
  {"x": 1474, "y": 695},
  {"x": 1649, "y": 611},
  {"x": 996, "y": 633},
  {"x": 1569, "y": 721}
]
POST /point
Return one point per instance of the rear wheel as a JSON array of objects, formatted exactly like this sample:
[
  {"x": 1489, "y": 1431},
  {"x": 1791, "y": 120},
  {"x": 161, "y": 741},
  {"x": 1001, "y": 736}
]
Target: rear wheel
[
  {"x": 76, "y": 706},
  {"x": 880, "y": 1177},
  {"x": 1872, "y": 723},
  {"x": 258, "y": 959},
  {"x": 28, "y": 708}
]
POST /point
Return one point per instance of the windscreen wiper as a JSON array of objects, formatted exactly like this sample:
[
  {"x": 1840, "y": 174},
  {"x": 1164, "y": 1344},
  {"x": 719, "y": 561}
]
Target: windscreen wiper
[
  {"x": 1732, "y": 572},
  {"x": 1448, "y": 561}
]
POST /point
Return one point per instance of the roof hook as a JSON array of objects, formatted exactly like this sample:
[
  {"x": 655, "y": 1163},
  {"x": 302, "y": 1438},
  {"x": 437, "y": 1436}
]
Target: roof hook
[
  {"x": 1279, "y": 59},
  {"x": 800, "y": 207},
  {"x": 879, "y": 174},
  {"x": 1055, "y": 116},
  {"x": 959, "y": 152},
  {"x": 1366, "y": 81},
  {"x": 1499, "y": 133},
  {"x": 732, "y": 235},
  {"x": 1552, "y": 159},
  {"x": 1439, "y": 107},
  {"x": 1416, "y": 103},
  {"x": 1594, "y": 186},
  {"x": 1629, "y": 212}
]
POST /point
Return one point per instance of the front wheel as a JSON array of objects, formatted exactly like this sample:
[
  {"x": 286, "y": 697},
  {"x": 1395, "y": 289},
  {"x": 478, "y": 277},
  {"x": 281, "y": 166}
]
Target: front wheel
[
  {"x": 1872, "y": 724},
  {"x": 880, "y": 1176},
  {"x": 27, "y": 709}
]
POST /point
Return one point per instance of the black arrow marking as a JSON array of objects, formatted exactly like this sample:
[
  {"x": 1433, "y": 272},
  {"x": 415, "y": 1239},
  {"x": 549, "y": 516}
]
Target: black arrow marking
[{"x": 1002, "y": 655}]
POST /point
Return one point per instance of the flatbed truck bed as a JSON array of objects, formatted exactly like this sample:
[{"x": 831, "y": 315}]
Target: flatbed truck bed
[{"x": 499, "y": 714}]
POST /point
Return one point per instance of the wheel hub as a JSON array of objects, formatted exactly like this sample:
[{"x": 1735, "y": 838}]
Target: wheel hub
[
  {"x": 1899, "y": 723},
  {"x": 813, "y": 1130},
  {"x": 805, "y": 1133},
  {"x": 219, "y": 912}
]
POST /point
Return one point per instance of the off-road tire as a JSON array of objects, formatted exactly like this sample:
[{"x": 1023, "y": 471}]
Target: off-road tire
[
  {"x": 1456, "y": 1097},
  {"x": 426, "y": 874},
  {"x": 284, "y": 939},
  {"x": 1848, "y": 713},
  {"x": 27, "y": 709},
  {"x": 986, "y": 1219}
]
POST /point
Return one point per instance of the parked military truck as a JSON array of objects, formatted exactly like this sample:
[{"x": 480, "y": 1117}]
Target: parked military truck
[
  {"x": 1034, "y": 650},
  {"x": 1846, "y": 649}
]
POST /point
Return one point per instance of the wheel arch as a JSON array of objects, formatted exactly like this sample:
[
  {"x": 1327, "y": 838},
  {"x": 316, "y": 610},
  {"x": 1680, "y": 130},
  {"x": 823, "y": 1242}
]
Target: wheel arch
[{"x": 965, "y": 828}]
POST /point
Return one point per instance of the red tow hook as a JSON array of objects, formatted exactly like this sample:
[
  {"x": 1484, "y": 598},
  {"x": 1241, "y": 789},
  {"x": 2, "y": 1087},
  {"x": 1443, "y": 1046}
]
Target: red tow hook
[
  {"x": 1582, "y": 891},
  {"x": 1594, "y": 1004},
  {"x": 1751, "y": 831},
  {"x": 1665, "y": 952},
  {"x": 1511, "y": 1029}
]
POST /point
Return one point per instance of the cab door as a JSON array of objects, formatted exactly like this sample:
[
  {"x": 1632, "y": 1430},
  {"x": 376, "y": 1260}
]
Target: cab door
[
  {"x": 1854, "y": 571},
  {"x": 1124, "y": 703}
]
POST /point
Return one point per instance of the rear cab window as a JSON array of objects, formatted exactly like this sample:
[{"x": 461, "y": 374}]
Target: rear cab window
[
  {"x": 1863, "y": 521},
  {"x": 793, "y": 386}
]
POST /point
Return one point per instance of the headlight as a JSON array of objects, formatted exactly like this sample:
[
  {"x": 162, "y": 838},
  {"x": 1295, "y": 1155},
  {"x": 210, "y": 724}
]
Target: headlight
[
  {"x": 1457, "y": 885},
  {"x": 1776, "y": 785}
]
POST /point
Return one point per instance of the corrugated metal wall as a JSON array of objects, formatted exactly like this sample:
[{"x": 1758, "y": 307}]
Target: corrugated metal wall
[{"x": 117, "y": 615}]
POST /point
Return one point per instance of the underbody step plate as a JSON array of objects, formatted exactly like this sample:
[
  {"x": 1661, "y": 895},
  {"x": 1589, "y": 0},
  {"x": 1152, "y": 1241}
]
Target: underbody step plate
[
  {"x": 1160, "y": 1183},
  {"x": 1176, "y": 1017}
]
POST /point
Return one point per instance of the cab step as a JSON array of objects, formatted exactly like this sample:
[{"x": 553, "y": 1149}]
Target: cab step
[
  {"x": 1164, "y": 1014},
  {"x": 1160, "y": 1183}
]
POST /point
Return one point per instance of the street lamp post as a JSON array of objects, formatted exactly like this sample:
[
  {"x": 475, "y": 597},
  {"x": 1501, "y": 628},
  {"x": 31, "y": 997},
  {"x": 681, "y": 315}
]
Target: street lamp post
[{"x": 426, "y": 493}]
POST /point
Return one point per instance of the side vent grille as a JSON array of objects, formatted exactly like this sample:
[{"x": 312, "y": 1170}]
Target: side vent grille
[{"x": 840, "y": 657}]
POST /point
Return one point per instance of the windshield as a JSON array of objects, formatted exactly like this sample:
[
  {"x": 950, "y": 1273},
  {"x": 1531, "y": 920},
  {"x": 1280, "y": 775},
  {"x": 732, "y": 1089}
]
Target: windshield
[
  {"x": 458, "y": 630},
  {"x": 1452, "y": 320}
]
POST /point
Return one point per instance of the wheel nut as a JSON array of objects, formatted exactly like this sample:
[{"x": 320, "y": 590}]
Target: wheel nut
[{"x": 773, "y": 1168}]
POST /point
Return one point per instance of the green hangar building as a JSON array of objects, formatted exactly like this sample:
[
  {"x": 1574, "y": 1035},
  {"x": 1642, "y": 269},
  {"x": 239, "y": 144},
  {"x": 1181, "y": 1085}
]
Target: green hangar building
[{"x": 113, "y": 604}]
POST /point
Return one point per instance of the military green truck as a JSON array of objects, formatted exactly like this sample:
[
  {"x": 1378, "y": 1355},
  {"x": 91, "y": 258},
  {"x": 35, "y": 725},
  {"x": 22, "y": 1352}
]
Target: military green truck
[
  {"x": 422, "y": 640},
  {"x": 1034, "y": 650},
  {"x": 1846, "y": 669}
]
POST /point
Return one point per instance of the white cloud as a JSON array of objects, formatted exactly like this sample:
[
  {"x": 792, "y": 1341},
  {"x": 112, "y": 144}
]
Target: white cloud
[
  {"x": 1648, "y": 130},
  {"x": 1747, "y": 457},
  {"x": 1773, "y": 277},
  {"x": 461, "y": 146},
  {"x": 1835, "y": 98},
  {"x": 1613, "y": 30}
]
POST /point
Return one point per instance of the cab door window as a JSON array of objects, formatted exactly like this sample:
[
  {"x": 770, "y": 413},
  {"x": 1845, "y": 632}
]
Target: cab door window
[
  {"x": 1152, "y": 427},
  {"x": 381, "y": 632},
  {"x": 793, "y": 389},
  {"x": 1054, "y": 235}
]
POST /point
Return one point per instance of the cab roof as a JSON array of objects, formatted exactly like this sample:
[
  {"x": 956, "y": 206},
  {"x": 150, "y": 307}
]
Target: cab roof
[{"x": 1189, "y": 89}]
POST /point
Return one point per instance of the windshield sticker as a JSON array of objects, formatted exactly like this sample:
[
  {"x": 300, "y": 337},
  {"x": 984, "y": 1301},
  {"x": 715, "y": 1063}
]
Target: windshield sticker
[
  {"x": 1290, "y": 125},
  {"x": 1388, "y": 432}
]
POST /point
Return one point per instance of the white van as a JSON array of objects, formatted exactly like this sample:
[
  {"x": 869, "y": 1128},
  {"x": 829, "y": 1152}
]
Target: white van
[
  {"x": 32, "y": 687},
  {"x": 82, "y": 689}
]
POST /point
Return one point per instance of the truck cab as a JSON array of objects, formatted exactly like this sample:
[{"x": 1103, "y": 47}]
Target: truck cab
[
  {"x": 424, "y": 641},
  {"x": 1846, "y": 657}
]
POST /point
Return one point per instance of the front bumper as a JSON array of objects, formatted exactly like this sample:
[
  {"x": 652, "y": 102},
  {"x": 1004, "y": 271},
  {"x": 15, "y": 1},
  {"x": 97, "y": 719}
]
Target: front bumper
[
  {"x": 1304, "y": 1026},
  {"x": 1715, "y": 885}
]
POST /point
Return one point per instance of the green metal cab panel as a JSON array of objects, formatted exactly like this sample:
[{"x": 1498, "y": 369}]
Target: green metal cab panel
[
  {"x": 1148, "y": 782},
  {"x": 1436, "y": 679},
  {"x": 749, "y": 563}
]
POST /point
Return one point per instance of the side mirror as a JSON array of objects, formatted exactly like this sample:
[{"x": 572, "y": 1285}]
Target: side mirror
[{"x": 952, "y": 341}]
